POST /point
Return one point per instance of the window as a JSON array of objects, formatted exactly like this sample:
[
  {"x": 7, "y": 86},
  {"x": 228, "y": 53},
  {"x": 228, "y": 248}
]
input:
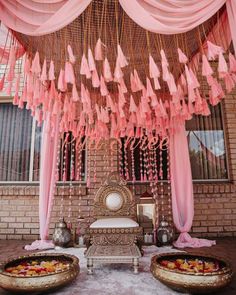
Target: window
[
  {"x": 20, "y": 141},
  {"x": 206, "y": 147},
  {"x": 15, "y": 144}
]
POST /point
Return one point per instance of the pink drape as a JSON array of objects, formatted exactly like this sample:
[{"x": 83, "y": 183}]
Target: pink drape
[
  {"x": 170, "y": 16},
  {"x": 231, "y": 10},
  {"x": 177, "y": 16},
  {"x": 35, "y": 18},
  {"x": 47, "y": 181},
  {"x": 182, "y": 191}
]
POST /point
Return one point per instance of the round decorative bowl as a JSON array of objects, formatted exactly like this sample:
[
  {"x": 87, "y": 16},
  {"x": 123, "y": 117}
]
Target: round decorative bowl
[
  {"x": 16, "y": 276},
  {"x": 193, "y": 281}
]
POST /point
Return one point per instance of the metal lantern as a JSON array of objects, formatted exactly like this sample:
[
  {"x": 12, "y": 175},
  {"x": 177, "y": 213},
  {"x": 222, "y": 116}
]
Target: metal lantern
[
  {"x": 165, "y": 234},
  {"x": 62, "y": 234}
]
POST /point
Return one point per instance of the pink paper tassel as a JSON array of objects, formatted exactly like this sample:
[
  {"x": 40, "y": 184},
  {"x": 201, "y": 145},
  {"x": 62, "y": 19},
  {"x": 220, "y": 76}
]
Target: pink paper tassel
[
  {"x": 171, "y": 84},
  {"x": 16, "y": 99},
  {"x": 132, "y": 83},
  {"x": 156, "y": 83},
  {"x": 232, "y": 63},
  {"x": 16, "y": 96},
  {"x": 195, "y": 83},
  {"x": 213, "y": 50},
  {"x": 138, "y": 82},
  {"x": 44, "y": 76},
  {"x": 163, "y": 58},
  {"x": 183, "y": 81},
  {"x": 154, "y": 101},
  {"x": 182, "y": 57},
  {"x": 229, "y": 82},
  {"x": 205, "y": 108},
  {"x": 95, "y": 79},
  {"x": 51, "y": 74},
  {"x": 206, "y": 68},
  {"x": 123, "y": 86},
  {"x": 11, "y": 62},
  {"x": 150, "y": 91},
  {"x": 2, "y": 81},
  {"x": 121, "y": 96},
  {"x": 27, "y": 65},
  {"x": 103, "y": 87},
  {"x": 71, "y": 54},
  {"x": 36, "y": 68},
  {"x": 222, "y": 65},
  {"x": 75, "y": 96},
  {"x": 84, "y": 65},
  {"x": 162, "y": 109},
  {"x": 190, "y": 107},
  {"x": 8, "y": 88},
  {"x": 107, "y": 71},
  {"x": 110, "y": 103},
  {"x": 153, "y": 68},
  {"x": 91, "y": 61},
  {"x": 188, "y": 76},
  {"x": 69, "y": 73},
  {"x": 98, "y": 50},
  {"x": 191, "y": 93},
  {"x": 132, "y": 106},
  {"x": 84, "y": 68},
  {"x": 118, "y": 74},
  {"x": 61, "y": 83},
  {"x": 121, "y": 57}
]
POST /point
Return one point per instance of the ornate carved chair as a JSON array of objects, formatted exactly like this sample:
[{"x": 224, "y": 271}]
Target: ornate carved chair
[{"x": 116, "y": 214}]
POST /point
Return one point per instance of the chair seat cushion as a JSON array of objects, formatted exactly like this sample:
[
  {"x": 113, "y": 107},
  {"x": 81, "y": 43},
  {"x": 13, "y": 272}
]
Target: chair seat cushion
[{"x": 119, "y": 222}]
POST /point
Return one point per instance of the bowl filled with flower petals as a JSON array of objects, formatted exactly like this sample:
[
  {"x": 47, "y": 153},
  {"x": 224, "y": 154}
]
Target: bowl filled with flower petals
[
  {"x": 39, "y": 272},
  {"x": 193, "y": 273}
]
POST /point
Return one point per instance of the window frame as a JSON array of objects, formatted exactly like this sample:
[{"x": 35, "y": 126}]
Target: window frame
[{"x": 31, "y": 182}]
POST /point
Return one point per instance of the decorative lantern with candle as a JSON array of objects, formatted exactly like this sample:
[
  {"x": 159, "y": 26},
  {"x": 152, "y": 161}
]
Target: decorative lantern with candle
[{"x": 165, "y": 234}]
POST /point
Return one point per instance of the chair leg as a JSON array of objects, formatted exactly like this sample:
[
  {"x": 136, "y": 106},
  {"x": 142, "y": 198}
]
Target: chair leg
[
  {"x": 136, "y": 264},
  {"x": 90, "y": 266}
]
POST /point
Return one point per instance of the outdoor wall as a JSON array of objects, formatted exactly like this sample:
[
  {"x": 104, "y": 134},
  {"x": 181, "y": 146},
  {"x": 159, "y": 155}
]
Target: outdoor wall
[{"x": 215, "y": 203}]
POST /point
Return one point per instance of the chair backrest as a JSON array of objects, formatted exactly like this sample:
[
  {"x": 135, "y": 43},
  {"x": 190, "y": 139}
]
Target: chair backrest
[{"x": 114, "y": 199}]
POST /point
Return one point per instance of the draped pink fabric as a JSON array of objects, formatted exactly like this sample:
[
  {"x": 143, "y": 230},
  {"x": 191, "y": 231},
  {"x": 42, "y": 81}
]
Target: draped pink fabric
[
  {"x": 231, "y": 10},
  {"x": 170, "y": 16},
  {"x": 47, "y": 181},
  {"x": 182, "y": 191},
  {"x": 35, "y": 18}
]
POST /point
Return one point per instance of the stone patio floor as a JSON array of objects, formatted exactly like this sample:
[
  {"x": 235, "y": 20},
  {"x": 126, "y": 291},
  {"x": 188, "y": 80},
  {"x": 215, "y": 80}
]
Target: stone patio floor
[{"x": 225, "y": 247}]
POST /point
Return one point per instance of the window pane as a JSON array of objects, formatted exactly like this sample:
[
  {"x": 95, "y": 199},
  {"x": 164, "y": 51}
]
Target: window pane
[
  {"x": 15, "y": 134},
  {"x": 207, "y": 146}
]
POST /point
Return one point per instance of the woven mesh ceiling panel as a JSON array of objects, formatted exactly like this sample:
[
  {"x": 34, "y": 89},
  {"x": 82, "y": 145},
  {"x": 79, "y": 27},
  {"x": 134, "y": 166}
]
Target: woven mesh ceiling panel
[{"x": 107, "y": 20}]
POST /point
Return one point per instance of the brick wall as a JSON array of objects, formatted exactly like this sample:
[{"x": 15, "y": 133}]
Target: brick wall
[{"x": 215, "y": 203}]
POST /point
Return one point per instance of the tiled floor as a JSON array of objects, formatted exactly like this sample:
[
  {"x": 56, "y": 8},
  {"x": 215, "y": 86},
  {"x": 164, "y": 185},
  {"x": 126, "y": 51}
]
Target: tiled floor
[{"x": 225, "y": 248}]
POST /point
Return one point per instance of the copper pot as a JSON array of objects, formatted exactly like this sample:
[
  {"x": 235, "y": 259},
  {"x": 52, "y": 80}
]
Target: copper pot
[
  {"x": 194, "y": 283},
  {"x": 41, "y": 283}
]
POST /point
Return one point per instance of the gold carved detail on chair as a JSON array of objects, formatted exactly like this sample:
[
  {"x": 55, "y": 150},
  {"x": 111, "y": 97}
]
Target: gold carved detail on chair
[
  {"x": 113, "y": 239},
  {"x": 114, "y": 188}
]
